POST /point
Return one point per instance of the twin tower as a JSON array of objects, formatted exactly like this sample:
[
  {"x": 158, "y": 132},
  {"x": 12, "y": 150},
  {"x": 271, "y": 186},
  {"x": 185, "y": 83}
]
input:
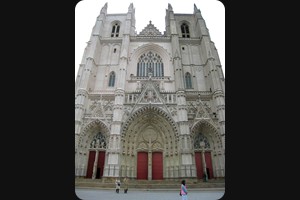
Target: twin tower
[{"x": 150, "y": 106}]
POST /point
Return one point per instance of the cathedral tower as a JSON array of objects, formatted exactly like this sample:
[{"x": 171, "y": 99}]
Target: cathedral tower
[{"x": 150, "y": 105}]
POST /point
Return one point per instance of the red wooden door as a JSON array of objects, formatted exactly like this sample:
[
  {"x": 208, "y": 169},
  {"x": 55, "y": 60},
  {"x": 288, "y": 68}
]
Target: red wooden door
[
  {"x": 208, "y": 162},
  {"x": 198, "y": 160},
  {"x": 142, "y": 165},
  {"x": 101, "y": 160},
  {"x": 91, "y": 160},
  {"x": 157, "y": 166}
]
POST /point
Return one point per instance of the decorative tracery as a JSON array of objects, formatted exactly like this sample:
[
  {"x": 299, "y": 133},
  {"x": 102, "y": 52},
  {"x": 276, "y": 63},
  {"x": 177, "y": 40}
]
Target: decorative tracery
[
  {"x": 150, "y": 63},
  {"x": 201, "y": 138}
]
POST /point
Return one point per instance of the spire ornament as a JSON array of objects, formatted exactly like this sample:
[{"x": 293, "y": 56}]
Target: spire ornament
[{"x": 104, "y": 8}]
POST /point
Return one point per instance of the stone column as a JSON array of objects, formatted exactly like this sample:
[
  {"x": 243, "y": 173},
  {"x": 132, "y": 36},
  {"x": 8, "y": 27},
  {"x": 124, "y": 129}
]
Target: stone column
[
  {"x": 95, "y": 165},
  {"x": 178, "y": 71},
  {"x": 149, "y": 165},
  {"x": 202, "y": 145},
  {"x": 222, "y": 163},
  {"x": 81, "y": 97},
  {"x": 112, "y": 165},
  {"x": 149, "y": 157},
  {"x": 186, "y": 165},
  {"x": 219, "y": 98}
]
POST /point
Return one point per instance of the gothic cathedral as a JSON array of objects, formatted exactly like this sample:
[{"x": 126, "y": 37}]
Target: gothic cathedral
[{"x": 150, "y": 106}]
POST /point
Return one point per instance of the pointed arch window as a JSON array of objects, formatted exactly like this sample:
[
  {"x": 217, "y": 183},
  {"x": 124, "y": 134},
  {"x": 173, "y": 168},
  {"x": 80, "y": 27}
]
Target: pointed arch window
[
  {"x": 112, "y": 77},
  {"x": 150, "y": 63},
  {"x": 115, "y": 30},
  {"x": 188, "y": 80},
  {"x": 185, "y": 30}
]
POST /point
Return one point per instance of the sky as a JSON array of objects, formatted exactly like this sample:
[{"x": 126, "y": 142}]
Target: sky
[{"x": 87, "y": 11}]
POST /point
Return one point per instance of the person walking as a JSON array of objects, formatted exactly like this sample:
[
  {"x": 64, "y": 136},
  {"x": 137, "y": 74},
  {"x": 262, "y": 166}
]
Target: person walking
[
  {"x": 125, "y": 185},
  {"x": 118, "y": 185},
  {"x": 183, "y": 191}
]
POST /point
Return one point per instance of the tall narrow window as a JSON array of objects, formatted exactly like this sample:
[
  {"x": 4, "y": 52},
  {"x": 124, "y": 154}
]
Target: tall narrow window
[
  {"x": 185, "y": 30},
  {"x": 115, "y": 30},
  {"x": 112, "y": 78},
  {"x": 150, "y": 63},
  {"x": 188, "y": 80}
]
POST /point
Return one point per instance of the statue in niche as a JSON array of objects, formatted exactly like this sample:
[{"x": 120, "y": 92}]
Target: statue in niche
[
  {"x": 92, "y": 144},
  {"x": 150, "y": 96},
  {"x": 102, "y": 145},
  {"x": 98, "y": 143}
]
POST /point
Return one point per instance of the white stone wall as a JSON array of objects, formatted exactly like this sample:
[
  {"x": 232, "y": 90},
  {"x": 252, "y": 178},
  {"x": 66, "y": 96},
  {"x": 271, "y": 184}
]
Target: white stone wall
[{"x": 196, "y": 55}]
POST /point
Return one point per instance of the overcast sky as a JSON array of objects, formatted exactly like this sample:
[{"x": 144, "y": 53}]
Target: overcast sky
[{"x": 87, "y": 11}]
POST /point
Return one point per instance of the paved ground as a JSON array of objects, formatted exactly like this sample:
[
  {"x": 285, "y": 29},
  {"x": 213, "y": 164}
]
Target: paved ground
[{"x": 109, "y": 194}]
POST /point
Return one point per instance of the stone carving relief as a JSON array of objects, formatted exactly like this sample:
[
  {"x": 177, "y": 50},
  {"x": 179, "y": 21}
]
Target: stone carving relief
[
  {"x": 157, "y": 145},
  {"x": 150, "y": 139},
  {"x": 102, "y": 109},
  {"x": 93, "y": 105},
  {"x": 154, "y": 83},
  {"x": 99, "y": 141},
  {"x": 150, "y": 96},
  {"x": 127, "y": 111},
  {"x": 201, "y": 138},
  {"x": 142, "y": 145},
  {"x": 173, "y": 110},
  {"x": 207, "y": 106},
  {"x": 198, "y": 109}
]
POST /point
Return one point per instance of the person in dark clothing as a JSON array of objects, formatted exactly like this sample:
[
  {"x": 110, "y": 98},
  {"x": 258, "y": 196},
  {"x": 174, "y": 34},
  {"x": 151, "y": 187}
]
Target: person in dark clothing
[
  {"x": 125, "y": 184},
  {"x": 118, "y": 185}
]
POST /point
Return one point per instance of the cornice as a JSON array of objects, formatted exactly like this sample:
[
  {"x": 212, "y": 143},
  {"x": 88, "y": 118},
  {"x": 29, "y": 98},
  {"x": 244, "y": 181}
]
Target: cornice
[
  {"x": 189, "y": 40},
  {"x": 112, "y": 40},
  {"x": 150, "y": 39}
]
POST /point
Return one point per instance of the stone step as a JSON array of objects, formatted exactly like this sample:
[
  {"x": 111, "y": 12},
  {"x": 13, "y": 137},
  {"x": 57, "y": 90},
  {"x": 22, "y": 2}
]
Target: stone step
[{"x": 145, "y": 184}]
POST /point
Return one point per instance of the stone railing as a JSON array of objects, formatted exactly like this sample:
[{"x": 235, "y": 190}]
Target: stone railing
[
  {"x": 95, "y": 92},
  {"x": 137, "y": 78}
]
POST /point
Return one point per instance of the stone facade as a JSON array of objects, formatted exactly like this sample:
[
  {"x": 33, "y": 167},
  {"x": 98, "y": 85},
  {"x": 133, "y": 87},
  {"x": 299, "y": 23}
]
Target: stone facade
[{"x": 137, "y": 94}]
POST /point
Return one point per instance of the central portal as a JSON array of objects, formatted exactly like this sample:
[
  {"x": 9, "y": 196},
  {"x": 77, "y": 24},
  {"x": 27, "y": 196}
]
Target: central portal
[
  {"x": 146, "y": 164},
  {"x": 150, "y": 157},
  {"x": 149, "y": 146}
]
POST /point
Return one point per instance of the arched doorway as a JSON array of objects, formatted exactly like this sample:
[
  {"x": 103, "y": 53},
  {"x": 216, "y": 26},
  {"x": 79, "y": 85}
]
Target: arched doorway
[
  {"x": 203, "y": 156},
  {"x": 150, "y": 145},
  {"x": 91, "y": 154},
  {"x": 96, "y": 158},
  {"x": 206, "y": 143},
  {"x": 150, "y": 153}
]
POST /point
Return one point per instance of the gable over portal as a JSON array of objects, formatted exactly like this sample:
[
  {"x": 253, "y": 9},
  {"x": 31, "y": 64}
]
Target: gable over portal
[{"x": 154, "y": 110}]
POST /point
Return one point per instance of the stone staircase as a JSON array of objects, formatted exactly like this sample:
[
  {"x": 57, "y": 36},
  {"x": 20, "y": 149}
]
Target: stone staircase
[{"x": 151, "y": 185}]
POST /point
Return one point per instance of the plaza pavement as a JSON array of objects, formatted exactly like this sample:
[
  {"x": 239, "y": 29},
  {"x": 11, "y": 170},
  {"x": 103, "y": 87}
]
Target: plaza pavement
[{"x": 143, "y": 194}]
